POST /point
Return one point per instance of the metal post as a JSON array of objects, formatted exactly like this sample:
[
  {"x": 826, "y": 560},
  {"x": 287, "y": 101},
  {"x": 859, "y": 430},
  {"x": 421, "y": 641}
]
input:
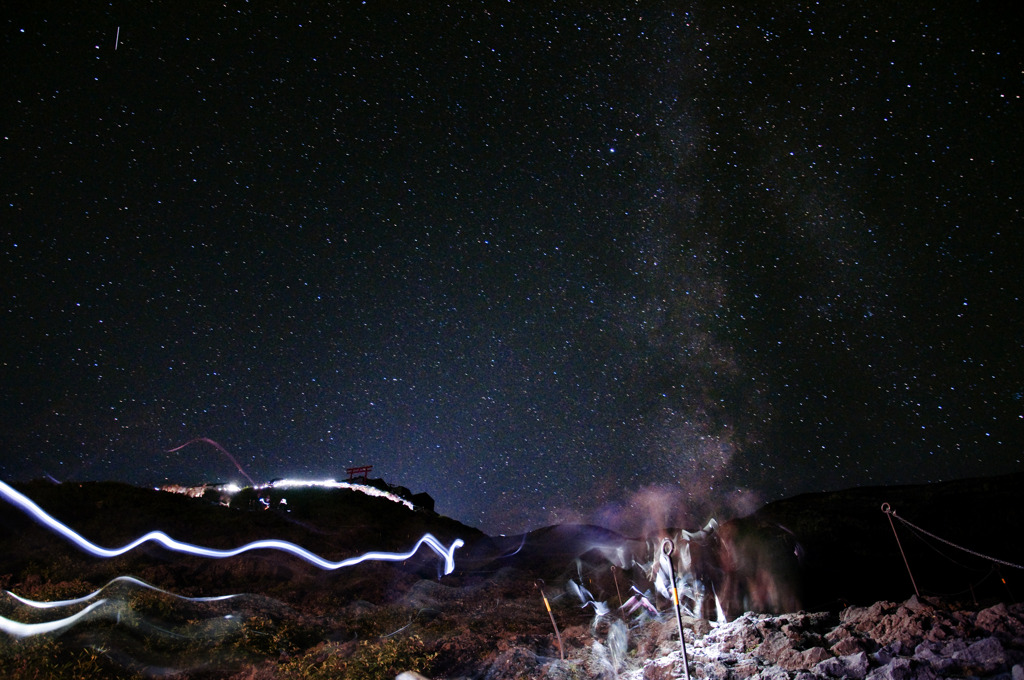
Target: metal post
[
  {"x": 547, "y": 605},
  {"x": 889, "y": 513},
  {"x": 668, "y": 547},
  {"x": 617, "y": 586}
]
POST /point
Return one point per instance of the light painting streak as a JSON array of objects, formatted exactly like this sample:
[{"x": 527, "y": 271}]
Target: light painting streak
[
  {"x": 22, "y": 630},
  {"x": 125, "y": 579},
  {"x": 19, "y": 499},
  {"x": 113, "y": 610}
]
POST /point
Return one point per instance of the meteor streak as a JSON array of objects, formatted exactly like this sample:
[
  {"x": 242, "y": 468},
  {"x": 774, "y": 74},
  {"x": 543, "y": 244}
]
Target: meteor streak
[{"x": 26, "y": 504}]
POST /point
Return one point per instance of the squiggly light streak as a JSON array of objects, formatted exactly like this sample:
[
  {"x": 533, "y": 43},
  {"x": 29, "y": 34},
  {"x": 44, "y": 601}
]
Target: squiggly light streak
[
  {"x": 127, "y": 579},
  {"x": 17, "y": 498},
  {"x": 515, "y": 552},
  {"x": 21, "y": 630},
  {"x": 207, "y": 440}
]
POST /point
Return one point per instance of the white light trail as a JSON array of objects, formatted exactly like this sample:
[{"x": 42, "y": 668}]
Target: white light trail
[
  {"x": 125, "y": 579},
  {"x": 22, "y": 501},
  {"x": 21, "y": 630}
]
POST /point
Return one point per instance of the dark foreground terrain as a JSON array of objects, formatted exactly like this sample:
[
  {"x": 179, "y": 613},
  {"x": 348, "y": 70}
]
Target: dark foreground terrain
[{"x": 268, "y": 614}]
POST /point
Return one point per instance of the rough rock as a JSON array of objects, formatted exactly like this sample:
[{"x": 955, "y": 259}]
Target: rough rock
[
  {"x": 916, "y": 639},
  {"x": 982, "y": 657},
  {"x": 851, "y": 666},
  {"x": 669, "y": 667},
  {"x": 919, "y": 639},
  {"x": 1002, "y": 621},
  {"x": 902, "y": 668}
]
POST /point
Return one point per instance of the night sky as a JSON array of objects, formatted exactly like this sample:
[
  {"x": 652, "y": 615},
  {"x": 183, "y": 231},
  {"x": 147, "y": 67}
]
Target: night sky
[{"x": 544, "y": 263}]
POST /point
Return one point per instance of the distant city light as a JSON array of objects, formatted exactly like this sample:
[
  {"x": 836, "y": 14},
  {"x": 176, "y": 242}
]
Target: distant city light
[{"x": 231, "y": 489}]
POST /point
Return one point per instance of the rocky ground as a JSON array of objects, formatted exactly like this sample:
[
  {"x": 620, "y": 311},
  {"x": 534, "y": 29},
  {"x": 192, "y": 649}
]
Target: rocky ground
[
  {"x": 918, "y": 638},
  {"x": 912, "y": 639}
]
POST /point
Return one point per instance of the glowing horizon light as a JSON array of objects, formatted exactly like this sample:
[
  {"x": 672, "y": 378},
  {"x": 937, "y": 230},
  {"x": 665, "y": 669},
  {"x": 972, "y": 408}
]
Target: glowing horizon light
[
  {"x": 333, "y": 484},
  {"x": 232, "y": 488},
  {"x": 292, "y": 483},
  {"x": 19, "y": 499}
]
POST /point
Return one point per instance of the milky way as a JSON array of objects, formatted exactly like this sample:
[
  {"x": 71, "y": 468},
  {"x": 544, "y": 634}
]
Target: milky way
[{"x": 543, "y": 264}]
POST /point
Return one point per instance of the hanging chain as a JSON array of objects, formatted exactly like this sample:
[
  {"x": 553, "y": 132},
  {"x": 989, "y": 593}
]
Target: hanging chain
[{"x": 892, "y": 513}]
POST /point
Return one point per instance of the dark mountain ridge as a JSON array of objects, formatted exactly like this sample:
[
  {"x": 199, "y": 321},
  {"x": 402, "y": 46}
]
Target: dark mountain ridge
[{"x": 816, "y": 552}]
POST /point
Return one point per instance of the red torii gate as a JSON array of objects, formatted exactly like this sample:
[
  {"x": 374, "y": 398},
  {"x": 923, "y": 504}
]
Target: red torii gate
[{"x": 359, "y": 472}]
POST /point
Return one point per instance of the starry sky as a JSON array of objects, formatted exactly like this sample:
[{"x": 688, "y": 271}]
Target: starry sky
[{"x": 542, "y": 261}]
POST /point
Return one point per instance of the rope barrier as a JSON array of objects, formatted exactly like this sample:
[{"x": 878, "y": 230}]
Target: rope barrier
[
  {"x": 887, "y": 509},
  {"x": 944, "y": 554}
]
